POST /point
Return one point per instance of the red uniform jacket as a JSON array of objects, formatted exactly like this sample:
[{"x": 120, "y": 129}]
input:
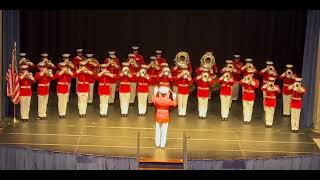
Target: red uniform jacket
[
  {"x": 153, "y": 73},
  {"x": 92, "y": 67},
  {"x": 203, "y": 87},
  {"x": 237, "y": 65},
  {"x": 43, "y": 83},
  {"x": 248, "y": 93},
  {"x": 265, "y": 75},
  {"x": 286, "y": 83},
  {"x": 183, "y": 85},
  {"x": 139, "y": 59},
  {"x": 165, "y": 81},
  {"x": 296, "y": 99},
  {"x": 233, "y": 73},
  {"x": 125, "y": 83},
  {"x": 106, "y": 61},
  {"x": 76, "y": 61},
  {"x": 83, "y": 82},
  {"x": 199, "y": 71},
  {"x": 161, "y": 60},
  {"x": 226, "y": 87},
  {"x": 104, "y": 84},
  {"x": 271, "y": 96},
  {"x": 143, "y": 84},
  {"x": 162, "y": 104},
  {"x": 63, "y": 82},
  {"x": 25, "y": 86}
]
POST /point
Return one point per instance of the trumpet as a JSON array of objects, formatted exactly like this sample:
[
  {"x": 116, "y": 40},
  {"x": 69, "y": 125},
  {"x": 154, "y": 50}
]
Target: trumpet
[
  {"x": 166, "y": 72},
  {"x": 125, "y": 71},
  {"x": 133, "y": 62},
  {"x": 249, "y": 66},
  {"x": 30, "y": 76},
  {"x": 143, "y": 73},
  {"x": 248, "y": 79},
  {"x": 289, "y": 73},
  {"x": 205, "y": 76},
  {"x": 270, "y": 68},
  {"x": 270, "y": 86},
  {"x": 226, "y": 76},
  {"x": 186, "y": 75}
]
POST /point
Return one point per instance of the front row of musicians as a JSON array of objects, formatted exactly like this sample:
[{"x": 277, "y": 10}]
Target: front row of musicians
[{"x": 134, "y": 76}]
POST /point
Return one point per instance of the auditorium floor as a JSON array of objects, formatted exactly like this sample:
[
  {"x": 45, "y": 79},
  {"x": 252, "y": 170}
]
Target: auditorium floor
[{"x": 117, "y": 136}]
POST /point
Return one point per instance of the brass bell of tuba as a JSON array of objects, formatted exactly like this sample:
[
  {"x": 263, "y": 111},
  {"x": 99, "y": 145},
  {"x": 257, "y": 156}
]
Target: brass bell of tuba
[
  {"x": 182, "y": 59},
  {"x": 207, "y": 60}
]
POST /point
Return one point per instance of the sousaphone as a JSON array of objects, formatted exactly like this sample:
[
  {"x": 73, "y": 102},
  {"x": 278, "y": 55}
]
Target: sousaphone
[
  {"x": 207, "y": 60},
  {"x": 182, "y": 59}
]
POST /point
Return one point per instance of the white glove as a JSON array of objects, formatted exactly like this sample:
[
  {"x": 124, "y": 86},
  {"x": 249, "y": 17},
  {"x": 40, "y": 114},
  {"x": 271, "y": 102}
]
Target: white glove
[
  {"x": 174, "y": 95},
  {"x": 156, "y": 89}
]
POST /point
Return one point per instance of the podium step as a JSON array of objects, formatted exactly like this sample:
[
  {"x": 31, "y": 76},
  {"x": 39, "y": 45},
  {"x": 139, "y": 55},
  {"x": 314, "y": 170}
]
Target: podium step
[{"x": 155, "y": 164}]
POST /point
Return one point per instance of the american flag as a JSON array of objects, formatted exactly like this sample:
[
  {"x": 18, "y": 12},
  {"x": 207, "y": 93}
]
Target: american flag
[{"x": 13, "y": 87}]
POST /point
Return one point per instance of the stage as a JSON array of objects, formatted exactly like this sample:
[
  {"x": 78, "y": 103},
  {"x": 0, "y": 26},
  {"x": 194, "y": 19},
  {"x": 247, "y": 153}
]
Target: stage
[{"x": 116, "y": 136}]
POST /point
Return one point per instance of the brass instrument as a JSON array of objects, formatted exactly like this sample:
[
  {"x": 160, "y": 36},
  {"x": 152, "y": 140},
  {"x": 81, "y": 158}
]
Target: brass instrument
[
  {"x": 270, "y": 86},
  {"x": 248, "y": 79},
  {"x": 133, "y": 62},
  {"x": 270, "y": 69},
  {"x": 166, "y": 71},
  {"x": 289, "y": 73},
  {"x": 182, "y": 59},
  {"x": 143, "y": 73},
  {"x": 185, "y": 74},
  {"x": 125, "y": 71},
  {"x": 226, "y": 76},
  {"x": 205, "y": 76},
  {"x": 207, "y": 60},
  {"x": 29, "y": 75}
]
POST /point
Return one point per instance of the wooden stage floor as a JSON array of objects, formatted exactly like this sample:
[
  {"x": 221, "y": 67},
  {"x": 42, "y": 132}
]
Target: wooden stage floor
[{"x": 210, "y": 138}]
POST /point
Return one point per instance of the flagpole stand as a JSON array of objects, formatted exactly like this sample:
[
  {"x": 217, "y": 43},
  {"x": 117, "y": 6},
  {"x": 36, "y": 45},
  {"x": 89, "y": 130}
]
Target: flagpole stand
[{"x": 15, "y": 121}]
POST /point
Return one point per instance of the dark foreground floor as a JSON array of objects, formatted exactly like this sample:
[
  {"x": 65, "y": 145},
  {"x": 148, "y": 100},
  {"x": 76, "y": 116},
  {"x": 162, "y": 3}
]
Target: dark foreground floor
[{"x": 116, "y": 136}]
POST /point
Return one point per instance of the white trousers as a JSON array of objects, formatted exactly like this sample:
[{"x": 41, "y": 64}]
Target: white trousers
[
  {"x": 269, "y": 114},
  {"x": 133, "y": 90},
  {"x": 175, "y": 90},
  {"x": 90, "y": 95},
  {"x": 286, "y": 101},
  {"x": 69, "y": 86},
  {"x": 151, "y": 90},
  {"x": 264, "y": 95},
  {"x": 113, "y": 92},
  {"x": 202, "y": 106},
  {"x": 62, "y": 103},
  {"x": 225, "y": 105},
  {"x": 235, "y": 90},
  {"x": 142, "y": 102},
  {"x": 161, "y": 134},
  {"x": 295, "y": 118},
  {"x": 82, "y": 102},
  {"x": 25, "y": 106},
  {"x": 104, "y": 102},
  {"x": 42, "y": 105},
  {"x": 182, "y": 104},
  {"x": 124, "y": 102},
  {"x": 247, "y": 110}
]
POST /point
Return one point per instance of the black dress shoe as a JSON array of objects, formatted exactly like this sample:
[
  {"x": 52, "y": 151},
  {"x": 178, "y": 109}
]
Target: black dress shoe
[
  {"x": 61, "y": 117},
  {"x": 65, "y": 117},
  {"x": 269, "y": 126}
]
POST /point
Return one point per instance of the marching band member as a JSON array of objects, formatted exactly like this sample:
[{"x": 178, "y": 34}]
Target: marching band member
[
  {"x": 65, "y": 58},
  {"x": 288, "y": 78},
  {"x": 248, "y": 68},
  {"x": 104, "y": 77},
  {"x": 25, "y": 61},
  {"x": 153, "y": 72},
  {"x": 48, "y": 63},
  {"x": 237, "y": 77},
  {"x": 83, "y": 75},
  {"x": 159, "y": 59},
  {"x": 143, "y": 80},
  {"x": 226, "y": 82},
  {"x": 25, "y": 80},
  {"x": 268, "y": 71},
  {"x": 182, "y": 62},
  {"x": 134, "y": 67},
  {"x": 114, "y": 67},
  {"x": 165, "y": 77},
  {"x": 204, "y": 81},
  {"x": 249, "y": 85},
  {"x": 92, "y": 65},
  {"x": 76, "y": 60},
  {"x": 233, "y": 71},
  {"x": 139, "y": 58},
  {"x": 63, "y": 77},
  {"x": 271, "y": 90},
  {"x": 296, "y": 103},
  {"x": 125, "y": 77},
  {"x": 43, "y": 77},
  {"x": 162, "y": 103},
  {"x": 183, "y": 81}
]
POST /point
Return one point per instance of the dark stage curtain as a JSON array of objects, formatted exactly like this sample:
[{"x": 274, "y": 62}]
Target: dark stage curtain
[
  {"x": 262, "y": 34},
  {"x": 310, "y": 66},
  {"x": 11, "y": 33}
]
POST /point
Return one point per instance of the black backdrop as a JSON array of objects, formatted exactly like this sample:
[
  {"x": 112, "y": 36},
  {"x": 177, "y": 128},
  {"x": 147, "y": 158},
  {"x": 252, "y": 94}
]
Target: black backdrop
[{"x": 259, "y": 34}]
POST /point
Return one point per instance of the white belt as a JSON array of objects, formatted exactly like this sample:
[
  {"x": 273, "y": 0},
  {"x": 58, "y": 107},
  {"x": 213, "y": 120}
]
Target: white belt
[
  {"x": 248, "y": 91},
  {"x": 153, "y": 75},
  {"x": 162, "y": 83},
  {"x": 286, "y": 85},
  {"x": 183, "y": 85},
  {"x": 83, "y": 82},
  {"x": 44, "y": 85},
  {"x": 203, "y": 88},
  {"x": 143, "y": 84},
  {"x": 163, "y": 110},
  {"x": 25, "y": 87},
  {"x": 271, "y": 97},
  {"x": 124, "y": 82},
  {"x": 63, "y": 83},
  {"x": 265, "y": 81},
  {"x": 296, "y": 98},
  {"x": 226, "y": 85},
  {"x": 101, "y": 84}
]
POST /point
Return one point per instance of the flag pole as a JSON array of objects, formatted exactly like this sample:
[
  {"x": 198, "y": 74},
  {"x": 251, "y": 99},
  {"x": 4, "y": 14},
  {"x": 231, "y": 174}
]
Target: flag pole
[{"x": 15, "y": 121}]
